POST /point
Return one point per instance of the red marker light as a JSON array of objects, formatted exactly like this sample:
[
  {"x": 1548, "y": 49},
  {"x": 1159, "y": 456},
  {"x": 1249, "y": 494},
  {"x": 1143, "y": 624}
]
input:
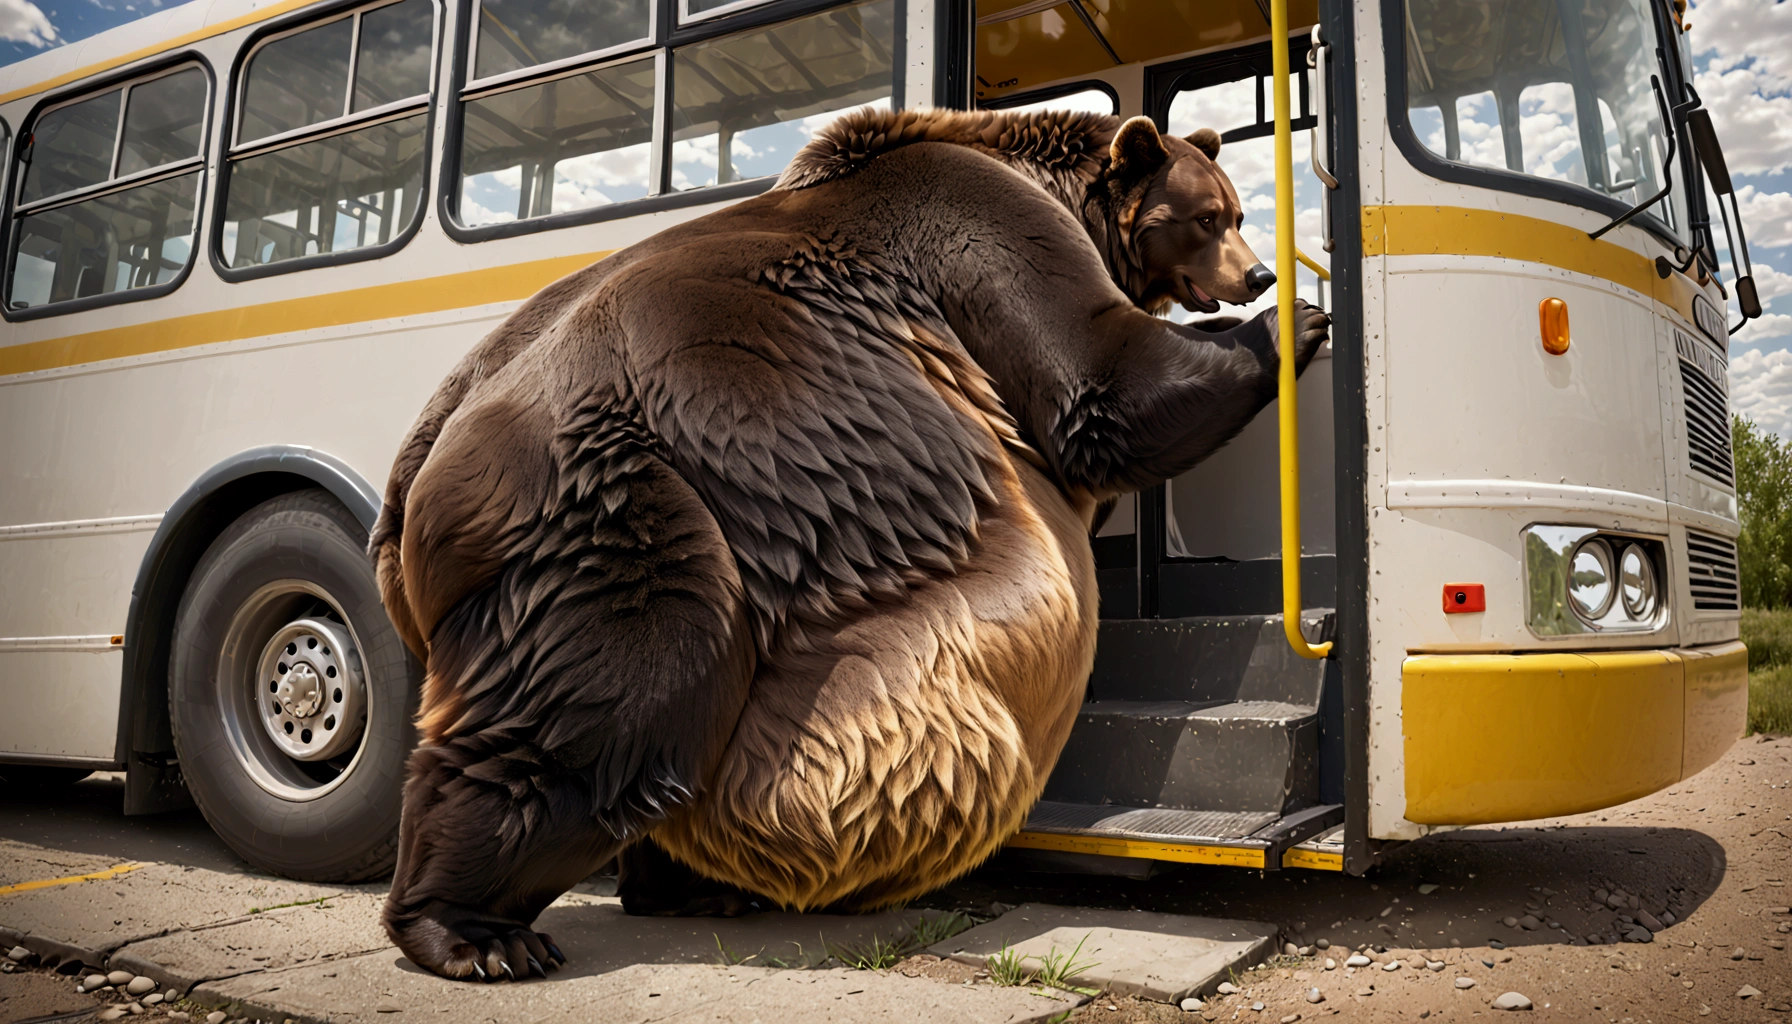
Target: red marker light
[{"x": 1464, "y": 597}]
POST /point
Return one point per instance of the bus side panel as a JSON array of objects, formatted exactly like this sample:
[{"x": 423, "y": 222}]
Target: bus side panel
[{"x": 61, "y": 705}]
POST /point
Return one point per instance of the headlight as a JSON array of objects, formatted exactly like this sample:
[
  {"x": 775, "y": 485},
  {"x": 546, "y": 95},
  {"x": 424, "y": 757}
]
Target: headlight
[
  {"x": 1590, "y": 579},
  {"x": 1580, "y": 579},
  {"x": 1636, "y": 583}
]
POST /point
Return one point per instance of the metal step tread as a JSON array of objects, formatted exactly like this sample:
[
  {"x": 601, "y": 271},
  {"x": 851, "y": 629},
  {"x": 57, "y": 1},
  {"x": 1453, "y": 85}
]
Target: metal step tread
[
  {"x": 1217, "y": 710},
  {"x": 1155, "y": 824}
]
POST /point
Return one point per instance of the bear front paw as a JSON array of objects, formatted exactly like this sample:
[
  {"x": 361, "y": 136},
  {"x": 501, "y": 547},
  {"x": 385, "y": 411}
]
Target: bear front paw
[
  {"x": 461, "y": 944},
  {"x": 1311, "y": 329}
]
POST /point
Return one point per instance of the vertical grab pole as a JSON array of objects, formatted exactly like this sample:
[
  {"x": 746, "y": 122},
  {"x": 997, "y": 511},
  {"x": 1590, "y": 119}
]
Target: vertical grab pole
[{"x": 1285, "y": 383}]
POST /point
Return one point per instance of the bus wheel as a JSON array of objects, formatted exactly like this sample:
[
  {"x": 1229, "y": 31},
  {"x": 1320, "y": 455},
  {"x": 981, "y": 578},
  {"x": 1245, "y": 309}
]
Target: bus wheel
[{"x": 291, "y": 694}]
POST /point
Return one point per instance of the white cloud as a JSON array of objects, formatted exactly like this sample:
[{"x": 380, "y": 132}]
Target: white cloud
[
  {"x": 1761, "y": 388},
  {"x": 1767, "y": 215},
  {"x": 1766, "y": 328},
  {"x": 21, "y": 21},
  {"x": 1770, "y": 283},
  {"x": 1748, "y": 84}
]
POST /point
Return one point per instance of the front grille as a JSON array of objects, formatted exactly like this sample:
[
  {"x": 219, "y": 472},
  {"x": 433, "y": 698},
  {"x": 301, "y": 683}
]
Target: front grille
[
  {"x": 1711, "y": 569},
  {"x": 1703, "y": 385}
]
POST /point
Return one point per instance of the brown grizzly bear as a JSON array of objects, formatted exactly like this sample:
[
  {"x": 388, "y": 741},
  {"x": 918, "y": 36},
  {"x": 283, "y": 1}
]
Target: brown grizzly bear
[{"x": 767, "y": 537}]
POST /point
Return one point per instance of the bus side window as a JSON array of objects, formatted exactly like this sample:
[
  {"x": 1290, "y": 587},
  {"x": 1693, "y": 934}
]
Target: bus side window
[
  {"x": 109, "y": 191},
  {"x": 329, "y": 146},
  {"x": 562, "y": 112},
  {"x": 746, "y": 103}
]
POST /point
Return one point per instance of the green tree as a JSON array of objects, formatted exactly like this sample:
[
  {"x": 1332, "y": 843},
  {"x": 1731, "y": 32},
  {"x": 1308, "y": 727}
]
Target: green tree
[{"x": 1764, "y": 494}]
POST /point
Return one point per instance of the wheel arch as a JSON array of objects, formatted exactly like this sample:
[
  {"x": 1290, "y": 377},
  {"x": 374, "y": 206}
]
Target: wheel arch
[{"x": 202, "y": 512}]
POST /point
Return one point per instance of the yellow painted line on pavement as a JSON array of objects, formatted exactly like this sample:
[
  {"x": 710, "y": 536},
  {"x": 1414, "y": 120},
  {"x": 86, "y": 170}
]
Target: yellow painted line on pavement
[{"x": 45, "y": 883}]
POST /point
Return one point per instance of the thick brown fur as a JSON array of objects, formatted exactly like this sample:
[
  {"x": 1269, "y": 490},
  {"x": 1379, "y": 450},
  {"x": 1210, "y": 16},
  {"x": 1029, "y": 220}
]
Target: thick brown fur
[{"x": 765, "y": 539}]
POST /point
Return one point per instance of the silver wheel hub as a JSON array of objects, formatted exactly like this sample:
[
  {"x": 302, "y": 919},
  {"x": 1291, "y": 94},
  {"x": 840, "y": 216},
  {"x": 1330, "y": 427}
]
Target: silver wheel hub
[{"x": 309, "y": 690}]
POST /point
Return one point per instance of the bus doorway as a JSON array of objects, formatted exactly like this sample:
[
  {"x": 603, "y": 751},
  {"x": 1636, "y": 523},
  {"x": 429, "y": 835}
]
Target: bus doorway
[{"x": 1204, "y": 738}]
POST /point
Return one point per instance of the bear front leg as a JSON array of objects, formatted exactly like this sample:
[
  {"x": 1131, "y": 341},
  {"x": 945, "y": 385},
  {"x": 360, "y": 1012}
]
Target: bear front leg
[{"x": 571, "y": 703}]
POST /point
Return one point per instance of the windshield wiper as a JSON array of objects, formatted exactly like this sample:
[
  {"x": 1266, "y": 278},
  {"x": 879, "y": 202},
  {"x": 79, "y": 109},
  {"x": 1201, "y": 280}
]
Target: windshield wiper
[{"x": 1667, "y": 175}]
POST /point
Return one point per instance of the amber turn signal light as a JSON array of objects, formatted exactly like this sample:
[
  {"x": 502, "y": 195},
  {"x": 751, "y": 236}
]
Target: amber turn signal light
[
  {"x": 1552, "y": 319},
  {"x": 1464, "y": 597}
]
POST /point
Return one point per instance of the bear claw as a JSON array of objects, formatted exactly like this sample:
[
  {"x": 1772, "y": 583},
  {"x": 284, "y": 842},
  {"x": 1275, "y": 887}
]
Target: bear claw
[{"x": 553, "y": 950}]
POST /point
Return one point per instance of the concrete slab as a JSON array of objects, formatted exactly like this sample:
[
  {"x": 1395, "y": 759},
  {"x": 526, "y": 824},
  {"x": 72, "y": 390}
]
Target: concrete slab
[
  {"x": 1166, "y": 957},
  {"x": 24, "y": 863},
  {"x": 329, "y": 930},
  {"x": 387, "y": 988},
  {"x": 86, "y": 921}
]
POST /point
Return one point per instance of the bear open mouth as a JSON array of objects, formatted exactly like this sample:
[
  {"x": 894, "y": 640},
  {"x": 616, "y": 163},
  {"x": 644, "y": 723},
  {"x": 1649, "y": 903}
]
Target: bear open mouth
[{"x": 1195, "y": 300}]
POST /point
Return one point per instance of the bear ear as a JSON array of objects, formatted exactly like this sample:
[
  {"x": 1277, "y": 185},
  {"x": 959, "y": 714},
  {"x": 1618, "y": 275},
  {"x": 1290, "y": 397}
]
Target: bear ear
[
  {"x": 1137, "y": 148},
  {"x": 1207, "y": 141}
]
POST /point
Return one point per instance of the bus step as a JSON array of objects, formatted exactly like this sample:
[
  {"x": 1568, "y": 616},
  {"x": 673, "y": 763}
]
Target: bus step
[
  {"x": 1251, "y": 757},
  {"x": 1203, "y": 659},
  {"x": 1236, "y": 839}
]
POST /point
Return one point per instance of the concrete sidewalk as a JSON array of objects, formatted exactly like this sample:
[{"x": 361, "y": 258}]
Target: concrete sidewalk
[{"x": 266, "y": 948}]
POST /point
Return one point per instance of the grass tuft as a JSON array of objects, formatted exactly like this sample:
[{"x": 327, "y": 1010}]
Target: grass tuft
[
  {"x": 1008, "y": 967},
  {"x": 1056, "y": 968}
]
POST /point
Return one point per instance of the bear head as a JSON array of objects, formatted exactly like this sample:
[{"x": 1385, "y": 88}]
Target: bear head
[{"x": 1178, "y": 218}]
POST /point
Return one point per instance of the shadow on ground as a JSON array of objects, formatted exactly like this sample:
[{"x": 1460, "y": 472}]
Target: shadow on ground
[
  {"x": 1481, "y": 877},
  {"x": 87, "y": 818}
]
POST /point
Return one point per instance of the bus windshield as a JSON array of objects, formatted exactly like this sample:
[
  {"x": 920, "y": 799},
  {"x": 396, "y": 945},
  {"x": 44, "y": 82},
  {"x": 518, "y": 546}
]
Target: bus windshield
[{"x": 1556, "y": 89}]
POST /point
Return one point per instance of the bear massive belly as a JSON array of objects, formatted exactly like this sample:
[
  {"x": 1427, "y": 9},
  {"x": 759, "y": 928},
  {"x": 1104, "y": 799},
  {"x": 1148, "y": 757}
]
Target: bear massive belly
[{"x": 758, "y": 552}]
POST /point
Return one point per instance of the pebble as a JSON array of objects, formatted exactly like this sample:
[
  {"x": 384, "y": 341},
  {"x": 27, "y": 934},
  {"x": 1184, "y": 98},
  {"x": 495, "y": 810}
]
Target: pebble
[
  {"x": 1649, "y": 921},
  {"x": 1315, "y": 996},
  {"x": 1290, "y": 949},
  {"x": 1639, "y": 934},
  {"x": 1434, "y": 965},
  {"x": 1324, "y": 943},
  {"x": 1391, "y": 965},
  {"x": 215, "y": 1017},
  {"x": 1306, "y": 951},
  {"x": 1509, "y": 921},
  {"x": 1616, "y": 901},
  {"x": 18, "y": 954},
  {"x": 119, "y": 978},
  {"x": 113, "y": 1012},
  {"x": 1600, "y": 895},
  {"x": 1330, "y": 964},
  {"x": 1227, "y": 988},
  {"x": 179, "y": 1015},
  {"x": 1290, "y": 1018},
  {"x": 153, "y": 998},
  {"x": 1465, "y": 983},
  {"x": 133, "y": 1007},
  {"x": 388, "y": 1007},
  {"x": 141, "y": 985},
  {"x": 1358, "y": 960},
  {"x": 1529, "y": 923},
  {"x": 1512, "y": 1001},
  {"x": 1747, "y": 992},
  {"x": 93, "y": 981},
  {"x": 1257, "y": 1007},
  {"x": 1427, "y": 889},
  {"x": 1192, "y": 1005},
  {"x": 1365, "y": 992},
  {"x": 1496, "y": 944},
  {"x": 1738, "y": 953}
]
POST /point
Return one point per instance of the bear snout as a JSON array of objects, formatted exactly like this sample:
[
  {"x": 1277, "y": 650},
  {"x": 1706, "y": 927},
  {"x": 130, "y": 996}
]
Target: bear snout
[{"x": 1259, "y": 278}]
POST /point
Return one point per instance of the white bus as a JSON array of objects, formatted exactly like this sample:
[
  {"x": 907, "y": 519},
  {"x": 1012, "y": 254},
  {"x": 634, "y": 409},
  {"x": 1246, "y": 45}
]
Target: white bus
[{"x": 245, "y": 240}]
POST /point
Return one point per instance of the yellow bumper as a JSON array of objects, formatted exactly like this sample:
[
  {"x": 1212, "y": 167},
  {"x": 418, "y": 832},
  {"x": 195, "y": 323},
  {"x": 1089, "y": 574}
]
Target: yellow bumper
[{"x": 1513, "y": 737}]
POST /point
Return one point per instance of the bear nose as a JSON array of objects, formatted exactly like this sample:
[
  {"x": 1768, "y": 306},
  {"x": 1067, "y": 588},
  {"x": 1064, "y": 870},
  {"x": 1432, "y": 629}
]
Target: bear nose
[{"x": 1259, "y": 278}]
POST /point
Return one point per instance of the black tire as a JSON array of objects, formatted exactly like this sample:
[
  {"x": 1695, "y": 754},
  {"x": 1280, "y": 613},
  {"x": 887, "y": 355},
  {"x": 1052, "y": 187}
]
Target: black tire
[
  {"x": 41, "y": 777},
  {"x": 299, "y": 557}
]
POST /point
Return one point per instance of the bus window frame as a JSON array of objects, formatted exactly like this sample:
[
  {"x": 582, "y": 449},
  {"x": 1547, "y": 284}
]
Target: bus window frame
[
  {"x": 590, "y": 60},
  {"x": 10, "y": 210},
  {"x": 1052, "y": 92},
  {"x": 1393, "y": 42},
  {"x": 667, "y": 38},
  {"x": 685, "y": 17},
  {"x": 230, "y": 150}
]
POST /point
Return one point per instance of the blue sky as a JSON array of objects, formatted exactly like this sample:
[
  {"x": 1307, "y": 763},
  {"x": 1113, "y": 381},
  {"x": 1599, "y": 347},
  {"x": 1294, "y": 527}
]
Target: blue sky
[{"x": 1744, "y": 72}]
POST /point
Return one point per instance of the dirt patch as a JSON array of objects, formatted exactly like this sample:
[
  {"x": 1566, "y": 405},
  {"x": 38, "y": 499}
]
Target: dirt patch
[{"x": 27, "y": 995}]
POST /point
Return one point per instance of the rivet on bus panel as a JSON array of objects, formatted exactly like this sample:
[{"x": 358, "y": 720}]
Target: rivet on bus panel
[{"x": 1552, "y": 317}]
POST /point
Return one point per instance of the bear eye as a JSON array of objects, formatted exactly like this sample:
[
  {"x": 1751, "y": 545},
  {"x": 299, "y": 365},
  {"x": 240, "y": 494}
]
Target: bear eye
[{"x": 1206, "y": 222}]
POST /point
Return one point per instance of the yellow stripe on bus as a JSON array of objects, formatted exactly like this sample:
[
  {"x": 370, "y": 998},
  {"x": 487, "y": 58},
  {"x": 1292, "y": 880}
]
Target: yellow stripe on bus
[
  {"x": 166, "y": 45},
  {"x": 92, "y": 876},
  {"x": 1463, "y": 231},
  {"x": 1106, "y": 846},
  {"x": 332, "y": 309}
]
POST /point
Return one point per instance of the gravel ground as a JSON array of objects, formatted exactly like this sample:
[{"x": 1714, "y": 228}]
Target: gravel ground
[{"x": 1714, "y": 852}]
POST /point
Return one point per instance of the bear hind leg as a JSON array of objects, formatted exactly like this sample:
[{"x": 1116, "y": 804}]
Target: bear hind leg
[{"x": 574, "y": 702}]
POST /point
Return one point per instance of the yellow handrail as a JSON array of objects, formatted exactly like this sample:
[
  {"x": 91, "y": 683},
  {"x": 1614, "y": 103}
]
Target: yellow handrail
[
  {"x": 1285, "y": 398},
  {"x": 1307, "y": 261}
]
